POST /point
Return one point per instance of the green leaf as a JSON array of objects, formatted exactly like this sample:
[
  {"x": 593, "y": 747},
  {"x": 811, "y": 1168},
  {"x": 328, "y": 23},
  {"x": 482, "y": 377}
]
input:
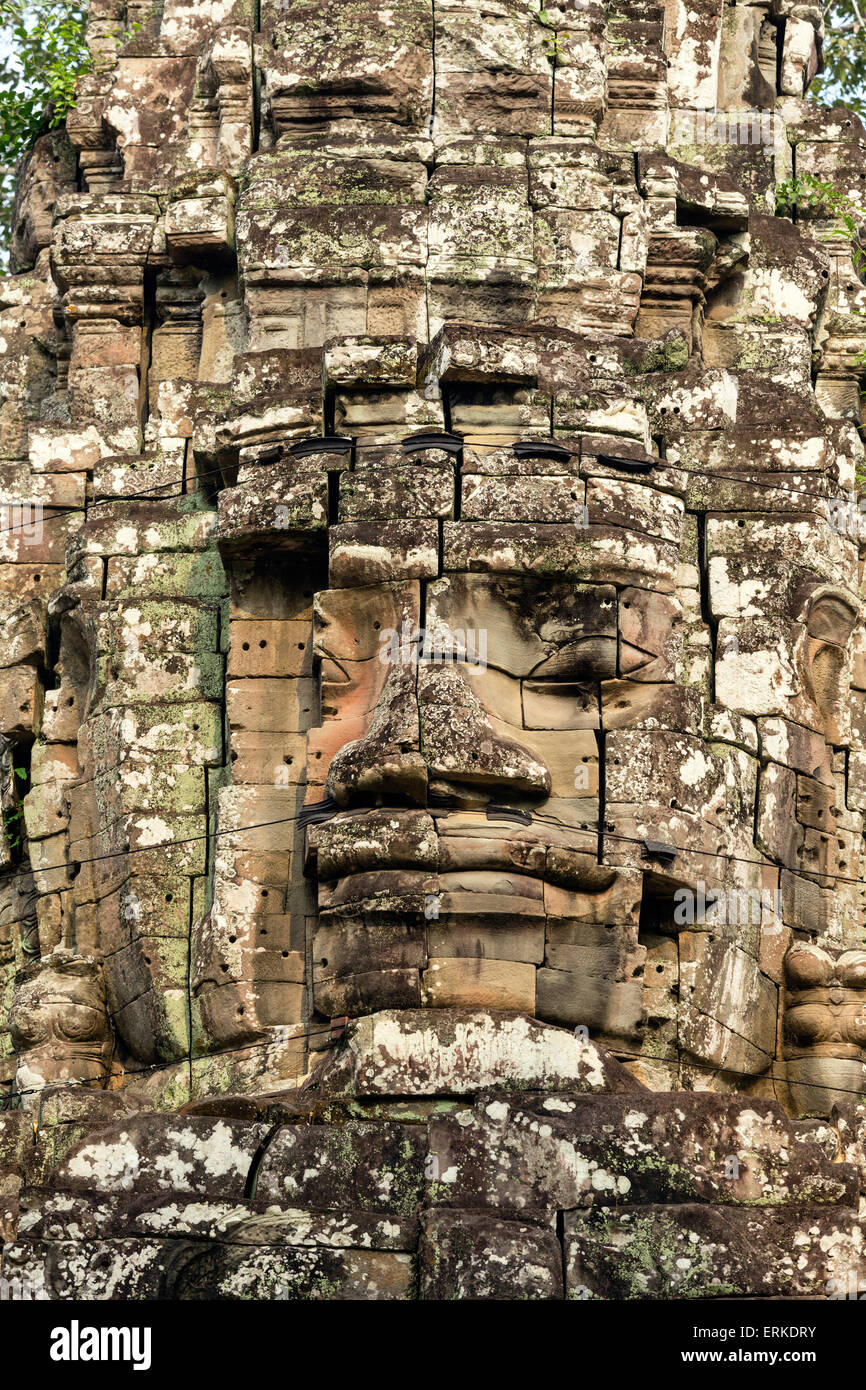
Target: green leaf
[
  {"x": 44, "y": 54},
  {"x": 844, "y": 78}
]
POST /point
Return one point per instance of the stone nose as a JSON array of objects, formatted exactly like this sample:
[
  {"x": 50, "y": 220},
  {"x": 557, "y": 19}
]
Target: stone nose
[
  {"x": 386, "y": 761},
  {"x": 429, "y": 725}
]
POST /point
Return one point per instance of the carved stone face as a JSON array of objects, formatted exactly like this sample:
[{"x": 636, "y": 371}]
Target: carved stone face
[
  {"x": 500, "y": 699},
  {"x": 588, "y": 659},
  {"x": 59, "y": 1024},
  {"x": 553, "y": 794},
  {"x": 515, "y": 552}
]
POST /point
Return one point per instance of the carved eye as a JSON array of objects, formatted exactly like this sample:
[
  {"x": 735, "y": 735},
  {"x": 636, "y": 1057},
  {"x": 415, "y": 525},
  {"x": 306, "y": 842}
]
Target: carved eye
[{"x": 591, "y": 658}]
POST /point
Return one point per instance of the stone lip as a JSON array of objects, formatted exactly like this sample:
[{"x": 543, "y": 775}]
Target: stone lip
[
  {"x": 473, "y": 891},
  {"x": 359, "y": 849}
]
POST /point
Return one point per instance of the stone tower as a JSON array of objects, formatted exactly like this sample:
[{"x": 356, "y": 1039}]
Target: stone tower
[{"x": 432, "y": 659}]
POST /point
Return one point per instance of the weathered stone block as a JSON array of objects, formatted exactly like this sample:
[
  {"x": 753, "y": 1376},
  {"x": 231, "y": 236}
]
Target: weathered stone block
[{"x": 469, "y": 1255}]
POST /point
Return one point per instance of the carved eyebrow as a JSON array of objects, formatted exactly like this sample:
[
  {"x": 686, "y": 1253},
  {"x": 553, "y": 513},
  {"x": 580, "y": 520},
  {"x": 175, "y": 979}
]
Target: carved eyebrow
[
  {"x": 321, "y": 444},
  {"x": 541, "y": 449},
  {"x": 510, "y": 813},
  {"x": 631, "y": 465},
  {"x": 432, "y": 439}
]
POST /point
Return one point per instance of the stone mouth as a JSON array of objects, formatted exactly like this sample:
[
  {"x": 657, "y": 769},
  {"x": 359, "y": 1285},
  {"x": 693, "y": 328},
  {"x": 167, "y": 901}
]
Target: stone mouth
[
  {"x": 482, "y": 885},
  {"x": 403, "y": 851},
  {"x": 474, "y": 892}
]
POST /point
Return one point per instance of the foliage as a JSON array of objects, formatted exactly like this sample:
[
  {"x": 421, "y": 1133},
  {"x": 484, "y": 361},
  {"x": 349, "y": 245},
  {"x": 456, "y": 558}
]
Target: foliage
[
  {"x": 13, "y": 816},
  {"x": 844, "y": 76},
  {"x": 12, "y": 827},
  {"x": 808, "y": 191},
  {"x": 42, "y": 55}
]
